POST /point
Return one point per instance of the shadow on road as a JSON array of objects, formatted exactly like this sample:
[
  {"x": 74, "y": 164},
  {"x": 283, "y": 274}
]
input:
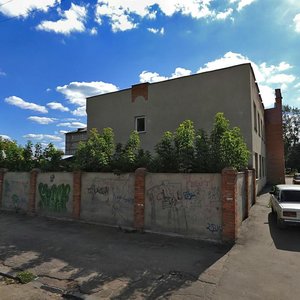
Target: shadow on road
[
  {"x": 284, "y": 239},
  {"x": 126, "y": 264}
]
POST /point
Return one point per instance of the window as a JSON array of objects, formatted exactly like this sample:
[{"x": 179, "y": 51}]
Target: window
[
  {"x": 263, "y": 167},
  {"x": 260, "y": 166},
  {"x": 254, "y": 117},
  {"x": 140, "y": 124}
]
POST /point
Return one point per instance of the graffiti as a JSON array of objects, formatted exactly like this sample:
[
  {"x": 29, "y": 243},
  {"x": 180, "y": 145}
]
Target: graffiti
[
  {"x": 111, "y": 197},
  {"x": 214, "y": 228},
  {"x": 15, "y": 195},
  {"x": 169, "y": 197},
  {"x": 189, "y": 195},
  {"x": 55, "y": 197},
  {"x": 94, "y": 190}
]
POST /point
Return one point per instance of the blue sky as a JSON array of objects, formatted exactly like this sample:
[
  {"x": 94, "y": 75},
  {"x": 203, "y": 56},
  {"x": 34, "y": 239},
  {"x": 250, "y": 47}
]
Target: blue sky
[{"x": 54, "y": 53}]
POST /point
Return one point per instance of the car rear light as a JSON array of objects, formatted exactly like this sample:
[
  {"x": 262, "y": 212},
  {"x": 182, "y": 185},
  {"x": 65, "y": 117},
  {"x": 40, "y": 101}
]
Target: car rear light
[{"x": 291, "y": 214}]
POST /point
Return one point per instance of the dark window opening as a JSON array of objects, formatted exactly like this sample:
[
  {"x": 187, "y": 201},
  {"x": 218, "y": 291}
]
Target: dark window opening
[{"x": 140, "y": 124}]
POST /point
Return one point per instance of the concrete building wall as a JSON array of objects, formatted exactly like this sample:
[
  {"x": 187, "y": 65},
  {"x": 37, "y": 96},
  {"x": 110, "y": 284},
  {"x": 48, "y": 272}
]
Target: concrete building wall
[
  {"x": 186, "y": 204},
  {"x": 107, "y": 198},
  {"x": 16, "y": 191},
  {"x": 198, "y": 98},
  {"x": 54, "y": 194}
]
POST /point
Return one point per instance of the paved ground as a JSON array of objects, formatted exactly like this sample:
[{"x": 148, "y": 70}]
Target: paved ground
[{"x": 93, "y": 262}]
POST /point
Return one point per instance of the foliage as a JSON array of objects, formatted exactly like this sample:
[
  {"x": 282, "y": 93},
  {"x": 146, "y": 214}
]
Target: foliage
[
  {"x": 291, "y": 133},
  {"x": 25, "y": 277},
  {"x": 96, "y": 153},
  {"x": 184, "y": 139},
  {"x": 16, "y": 158},
  {"x": 202, "y": 159},
  {"x": 166, "y": 160}
]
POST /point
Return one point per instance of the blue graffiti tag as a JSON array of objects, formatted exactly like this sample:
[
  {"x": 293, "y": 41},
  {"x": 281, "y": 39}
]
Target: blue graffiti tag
[
  {"x": 214, "y": 228},
  {"x": 188, "y": 195}
]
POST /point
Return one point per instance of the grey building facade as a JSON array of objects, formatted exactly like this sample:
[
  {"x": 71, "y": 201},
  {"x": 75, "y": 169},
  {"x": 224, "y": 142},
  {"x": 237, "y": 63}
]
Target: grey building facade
[
  {"x": 73, "y": 138},
  {"x": 152, "y": 109}
]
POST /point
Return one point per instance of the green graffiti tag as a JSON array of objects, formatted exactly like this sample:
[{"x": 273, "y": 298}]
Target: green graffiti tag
[{"x": 55, "y": 197}]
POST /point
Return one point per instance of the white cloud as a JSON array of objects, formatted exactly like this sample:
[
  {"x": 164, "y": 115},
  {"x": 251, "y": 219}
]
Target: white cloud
[
  {"x": 2, "y": 73},
  {"x": 16, "y": 101},
  {"x": 72, "y": 124},
  {"x": 43, "y": 137},
  {"x": 21, "y": 8},
  {"x": 72, "y": 21},
  {"x": 93, "y": 31},
  {"x": 266, "y": 75},
  {"x": 57, "y": 106},
  {"x": 225, "y": 14},
  {"x": 281, "y": 78},
  {"x": 297, "y": 85},
  {"x": 126, "y": 15},
  {"x": 151, "y": 77},
  {"x": 5, "y": 137},
  {"x": 157, "y": 30},
  {"x": 42, "y": 120},
  {"x": 243, "y": 3},
  {"x": 297, "y": 22},
  {"x": 77, "y": 92},
  {"x": 80, "y": 111}
]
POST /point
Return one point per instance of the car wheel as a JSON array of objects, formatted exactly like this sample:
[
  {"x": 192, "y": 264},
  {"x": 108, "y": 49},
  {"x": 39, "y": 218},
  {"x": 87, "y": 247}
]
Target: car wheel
[{"x": 280, "y": 223}]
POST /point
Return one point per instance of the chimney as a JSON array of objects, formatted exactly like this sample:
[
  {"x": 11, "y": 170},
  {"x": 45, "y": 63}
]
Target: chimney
[{"x": 278, "y": 98}]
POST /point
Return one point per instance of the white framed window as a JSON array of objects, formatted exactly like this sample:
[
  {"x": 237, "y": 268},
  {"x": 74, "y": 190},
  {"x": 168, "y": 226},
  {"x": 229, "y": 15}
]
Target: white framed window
[{"x": 140, "y": 124}]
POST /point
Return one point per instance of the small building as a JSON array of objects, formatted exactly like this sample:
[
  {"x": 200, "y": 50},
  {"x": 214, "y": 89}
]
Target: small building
[
  {"x": 73, "y": 138},
  {"x": 152, "y": 109}
]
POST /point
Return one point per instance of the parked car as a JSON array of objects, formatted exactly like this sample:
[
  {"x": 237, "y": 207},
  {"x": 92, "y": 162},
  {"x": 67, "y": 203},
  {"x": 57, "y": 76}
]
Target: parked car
[
  {"x": 296, "y": 178},
  {"x": 285, "y": 203}
]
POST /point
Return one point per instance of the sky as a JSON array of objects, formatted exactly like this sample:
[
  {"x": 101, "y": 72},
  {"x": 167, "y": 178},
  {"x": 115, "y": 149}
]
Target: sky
[{"x": 55, "y": 53}]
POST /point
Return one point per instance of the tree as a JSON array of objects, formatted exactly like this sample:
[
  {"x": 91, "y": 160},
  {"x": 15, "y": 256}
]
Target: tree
[
  {"x": 291, "y": 123},
  {"x": 184, "y": 138},
  {"x": 166, "y": 158},
  {"x": 96, "y": 153},
  {"x": 202, "y": 162},
  {"x": 51, "y": 158}
]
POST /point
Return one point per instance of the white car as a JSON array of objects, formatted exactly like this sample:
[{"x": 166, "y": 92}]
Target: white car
[{"x": 285, "y": 203}]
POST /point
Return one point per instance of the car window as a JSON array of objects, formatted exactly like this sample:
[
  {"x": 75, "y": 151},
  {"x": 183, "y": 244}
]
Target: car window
[
  {"x": 290, "y": 196},
  {"x": 276, "y": 193}
]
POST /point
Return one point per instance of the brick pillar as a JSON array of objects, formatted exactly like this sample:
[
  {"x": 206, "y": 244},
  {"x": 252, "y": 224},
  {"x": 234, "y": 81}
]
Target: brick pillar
[
  {"x": 76, "y": 194},
  {"x": 32, "y": 190},
  {"x": 2, "y": 172},
  {"x": 139, "y": 199},
  {"x": 229, "y": 205}
]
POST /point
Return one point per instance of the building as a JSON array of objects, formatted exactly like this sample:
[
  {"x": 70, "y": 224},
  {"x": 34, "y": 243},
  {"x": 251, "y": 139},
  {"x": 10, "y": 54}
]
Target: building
[
  {"x": 152, "y": 109},
  {"x": 73, "y": 138}
]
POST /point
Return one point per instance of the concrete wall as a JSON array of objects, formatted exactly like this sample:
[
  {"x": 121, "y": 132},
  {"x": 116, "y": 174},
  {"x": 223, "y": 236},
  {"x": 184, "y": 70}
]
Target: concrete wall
[
  {"x": 54, "y": 194},
  {"x": 107, "y": 198},
  {"x": 187, "y": 204},
  {"x": 16, "y": 191}
]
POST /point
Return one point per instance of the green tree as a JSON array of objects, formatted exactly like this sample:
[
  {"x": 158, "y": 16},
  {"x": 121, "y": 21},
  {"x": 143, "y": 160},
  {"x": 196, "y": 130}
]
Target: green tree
[
  {"x": 11, "y": 155},
  {"x": 220, "y": 126},
  {"x": 166, "y": 158},
  {"x": 52, "y": 158},
  {"x": 184, "y": 138},
  {"x": 96, "y": 153},
  {"x": 234, "y": 152},
  {"x": 291, "y": 123},
  {"x": 202, "y": 152}
]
